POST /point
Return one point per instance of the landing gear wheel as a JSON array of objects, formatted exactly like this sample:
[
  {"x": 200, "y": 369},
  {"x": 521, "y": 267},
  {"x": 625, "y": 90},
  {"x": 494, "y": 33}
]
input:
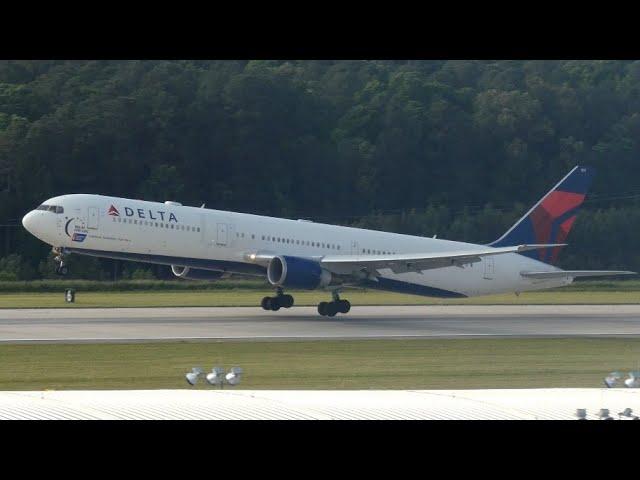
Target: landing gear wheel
[
  {"x": 62, "y": 270},
  {"x": 332, "y": 309},
  {"x": 266, "y": 303},
  {"x": 322, "y": 308},
  {"x": 274, "y": 303},
  {"x": 344, "y": 306},
  {"x": 285, "y": 301}
]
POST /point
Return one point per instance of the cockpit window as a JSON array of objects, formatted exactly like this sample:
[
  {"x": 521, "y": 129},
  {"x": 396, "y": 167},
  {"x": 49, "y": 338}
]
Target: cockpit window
[{"x": 51, "y": 208}]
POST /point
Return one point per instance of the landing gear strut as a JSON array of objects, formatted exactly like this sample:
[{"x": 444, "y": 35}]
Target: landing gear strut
[
  {"x": 62, "y": 268},
  {"x": 330, "y": 309},
  {"x": 275, "y": 303}
]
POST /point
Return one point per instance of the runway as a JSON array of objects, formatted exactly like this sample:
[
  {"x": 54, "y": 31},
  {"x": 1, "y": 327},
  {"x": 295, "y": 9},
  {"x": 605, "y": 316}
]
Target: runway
[{"x": 250, "y": 323}]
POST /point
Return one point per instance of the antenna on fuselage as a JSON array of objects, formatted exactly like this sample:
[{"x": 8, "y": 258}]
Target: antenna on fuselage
[
  {"x": 202, "y": 206},
  {"x": 435, "y": 236}
]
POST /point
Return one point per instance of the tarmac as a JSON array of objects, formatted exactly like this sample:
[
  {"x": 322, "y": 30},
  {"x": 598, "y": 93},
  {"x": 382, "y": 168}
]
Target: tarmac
[{"x": 251, "y": 323}]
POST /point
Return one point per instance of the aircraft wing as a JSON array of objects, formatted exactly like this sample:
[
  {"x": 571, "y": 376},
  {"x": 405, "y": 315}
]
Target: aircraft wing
[
  {"x": 574, "y": 273},
  {"x": 416, "y": 262}
]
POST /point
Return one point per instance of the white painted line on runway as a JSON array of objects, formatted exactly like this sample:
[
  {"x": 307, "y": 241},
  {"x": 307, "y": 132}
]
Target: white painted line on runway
[{"x": 317, "y": 337}]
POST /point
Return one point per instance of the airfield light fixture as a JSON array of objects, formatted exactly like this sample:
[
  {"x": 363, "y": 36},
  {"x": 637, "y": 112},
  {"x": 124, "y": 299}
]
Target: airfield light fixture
[
  {"x": 628, "y": 413},
  {"x": 216, "y": 377},
  {"x": 233, "y": 377},
  {"x": 581, "y": 413},
  {"x": 633, "y": 381},
  {"x": 192, "y": 376},
  {"x": 603, "y": 414},
  {"x": 612, "y": 379}
]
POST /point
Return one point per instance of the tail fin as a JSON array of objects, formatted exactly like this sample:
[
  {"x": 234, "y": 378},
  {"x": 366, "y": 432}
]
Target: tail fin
[{"x": 551, "y": 219}]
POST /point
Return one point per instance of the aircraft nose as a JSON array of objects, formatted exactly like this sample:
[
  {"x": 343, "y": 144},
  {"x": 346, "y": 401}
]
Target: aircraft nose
[{"x": 29, "y": 221}]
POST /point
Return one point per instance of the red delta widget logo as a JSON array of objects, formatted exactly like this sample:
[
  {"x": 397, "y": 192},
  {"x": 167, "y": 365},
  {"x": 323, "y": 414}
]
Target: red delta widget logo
[{"x": 142, "y": 213}]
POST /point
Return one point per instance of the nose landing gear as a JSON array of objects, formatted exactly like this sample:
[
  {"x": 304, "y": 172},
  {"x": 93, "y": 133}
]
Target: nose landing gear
[
  {"x": 275, "y": 303},
  {"x": 330, "y": 309},
  {"x": 62, "y": 268}
]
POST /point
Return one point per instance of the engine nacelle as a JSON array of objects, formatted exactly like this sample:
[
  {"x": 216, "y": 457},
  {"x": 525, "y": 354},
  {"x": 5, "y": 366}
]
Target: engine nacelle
[
  {"x": 296, "y": 272},
  {"x": 189, "y": 273}
]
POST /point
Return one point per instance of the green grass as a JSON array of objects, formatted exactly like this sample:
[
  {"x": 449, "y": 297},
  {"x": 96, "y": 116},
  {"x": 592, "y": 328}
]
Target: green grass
[
  {"x": 250, "y": 297},
  {"x": 364, "y": 364}
]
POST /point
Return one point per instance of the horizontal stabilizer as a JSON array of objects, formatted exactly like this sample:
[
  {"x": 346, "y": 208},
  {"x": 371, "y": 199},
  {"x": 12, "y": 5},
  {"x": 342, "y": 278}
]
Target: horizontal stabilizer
[{"x": 575, "y": 273}]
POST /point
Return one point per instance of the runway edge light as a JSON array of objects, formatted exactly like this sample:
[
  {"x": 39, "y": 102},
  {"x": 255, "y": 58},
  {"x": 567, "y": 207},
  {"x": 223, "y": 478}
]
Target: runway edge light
[
  {"x": 628, "y": 413},
  {"x": 633, "y": 381},
  {"x": 216, "y": 376},
  {"x": 603, "y": 414},
  {"x": 192, "y": 376},
  {"x": 233, "y": 377},
  {"x": 612, "y": 379}
]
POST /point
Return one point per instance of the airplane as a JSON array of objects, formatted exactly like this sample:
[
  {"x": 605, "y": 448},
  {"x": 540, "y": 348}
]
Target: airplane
[{"x": 206, "y": 244}]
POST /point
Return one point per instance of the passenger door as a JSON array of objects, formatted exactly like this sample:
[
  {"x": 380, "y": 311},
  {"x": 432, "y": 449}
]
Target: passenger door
[
  {"x": 354, "y": 248},
  {"x": 93, "y": 218},
  {"x": 222, "y": 237},
  {"x": 489, "y": 268}
]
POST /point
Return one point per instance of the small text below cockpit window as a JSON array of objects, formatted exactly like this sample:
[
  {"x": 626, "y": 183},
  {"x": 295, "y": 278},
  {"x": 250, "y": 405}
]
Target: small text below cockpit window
[{"x": 51, "y": 208}]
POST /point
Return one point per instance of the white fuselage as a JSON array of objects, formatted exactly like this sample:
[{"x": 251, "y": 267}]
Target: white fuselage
[{"x": 180, "y": 235}]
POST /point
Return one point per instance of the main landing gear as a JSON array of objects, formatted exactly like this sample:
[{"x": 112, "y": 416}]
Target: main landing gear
[
  {"x": 61, "y": 269},
  {"x": 275, "y": 303},
  {"x": 330, "y": 309}
]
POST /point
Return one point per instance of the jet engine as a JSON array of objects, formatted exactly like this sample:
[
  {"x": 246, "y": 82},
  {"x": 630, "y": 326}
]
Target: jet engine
[
  {"x": 189, "y": 273},
  {"x": 296, "y": 272}
]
